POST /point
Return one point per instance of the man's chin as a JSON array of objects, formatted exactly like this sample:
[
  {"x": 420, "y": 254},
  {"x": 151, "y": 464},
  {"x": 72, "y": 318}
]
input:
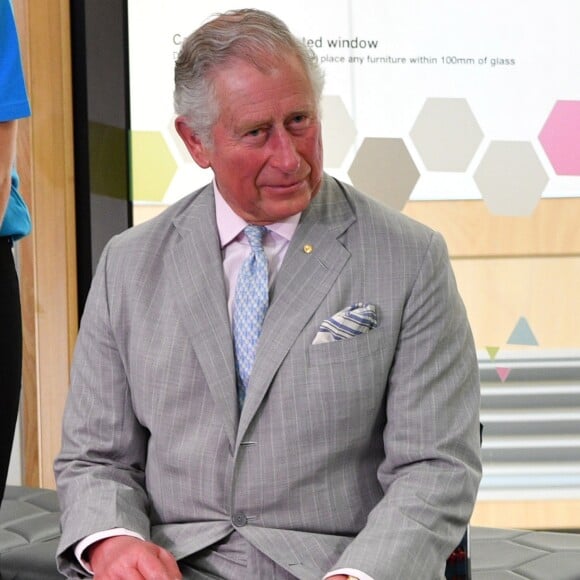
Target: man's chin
[{"x": 280, "y": 210}]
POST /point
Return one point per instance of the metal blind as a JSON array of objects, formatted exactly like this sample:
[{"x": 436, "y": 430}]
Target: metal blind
[{"x": 531, "y": 437}]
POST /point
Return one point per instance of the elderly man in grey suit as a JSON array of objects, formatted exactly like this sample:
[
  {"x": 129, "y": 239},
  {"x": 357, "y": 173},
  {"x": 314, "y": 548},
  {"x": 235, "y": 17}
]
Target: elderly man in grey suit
[{"x": 331, "y": 431}]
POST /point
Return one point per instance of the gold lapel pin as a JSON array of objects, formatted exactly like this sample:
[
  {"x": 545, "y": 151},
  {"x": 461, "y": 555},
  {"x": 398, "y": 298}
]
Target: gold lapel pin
[{"x": 307, "y": 249}]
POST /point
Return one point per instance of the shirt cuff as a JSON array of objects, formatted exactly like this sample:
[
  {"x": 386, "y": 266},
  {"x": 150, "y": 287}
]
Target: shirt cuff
[
  {"x": 93, "y": 538},
  {"x": 352, "y": 573}
]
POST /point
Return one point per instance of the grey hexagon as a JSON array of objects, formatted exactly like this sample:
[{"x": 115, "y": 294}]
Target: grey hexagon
[
  {"x": 511, "y": 178},
  {"x": 338, "y": 130},
  {"x": 383, "y": 169},
  {"x": 446, "y": 134}
]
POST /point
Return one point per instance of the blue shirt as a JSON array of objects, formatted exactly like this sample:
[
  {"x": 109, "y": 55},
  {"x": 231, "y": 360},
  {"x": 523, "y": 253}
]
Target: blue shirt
[{"x": 13, "y": 105}]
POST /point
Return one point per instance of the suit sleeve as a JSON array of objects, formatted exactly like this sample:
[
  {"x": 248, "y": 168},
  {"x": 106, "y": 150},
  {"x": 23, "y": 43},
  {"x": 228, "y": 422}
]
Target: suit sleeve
[
  {"x": 432, "y": 468},
  {"x": 100, "y": 469}
]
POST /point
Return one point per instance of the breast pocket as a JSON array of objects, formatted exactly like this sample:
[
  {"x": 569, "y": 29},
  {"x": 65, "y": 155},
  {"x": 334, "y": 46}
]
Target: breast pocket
[
  {"x": 346, "y": 381},
  {"x": 373, "y": 343}
]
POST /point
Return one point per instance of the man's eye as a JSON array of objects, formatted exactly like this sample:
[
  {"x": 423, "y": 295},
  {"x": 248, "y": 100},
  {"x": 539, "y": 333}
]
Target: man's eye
[
  {"x": 300, "y": 122},
  {"x": 254, "y": 133}
]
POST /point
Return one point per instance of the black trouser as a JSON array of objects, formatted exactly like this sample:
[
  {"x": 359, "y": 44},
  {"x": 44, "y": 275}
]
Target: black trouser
[{"x": 10, "y": 355}]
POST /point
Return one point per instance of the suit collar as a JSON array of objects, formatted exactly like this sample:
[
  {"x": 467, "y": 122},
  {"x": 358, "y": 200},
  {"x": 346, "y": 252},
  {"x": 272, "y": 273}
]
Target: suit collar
[
  {"x": 195, "y": 262},
  {"x": 303, "y": 282}
]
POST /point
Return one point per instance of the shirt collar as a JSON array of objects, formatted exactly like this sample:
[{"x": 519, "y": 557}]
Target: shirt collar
[{"x": 230, "y": 224}]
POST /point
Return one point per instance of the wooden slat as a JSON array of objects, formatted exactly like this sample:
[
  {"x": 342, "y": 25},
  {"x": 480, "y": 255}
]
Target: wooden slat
[
  {"x": 48, "y": 256},
  {"x": 534, "y": 515},
  {"x": 472, "y": 231}
]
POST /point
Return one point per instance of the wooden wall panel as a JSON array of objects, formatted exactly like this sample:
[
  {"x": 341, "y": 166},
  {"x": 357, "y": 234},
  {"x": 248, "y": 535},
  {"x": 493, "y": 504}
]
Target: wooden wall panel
[
  {"x": 498, "y": 291},
  {"x": 472, "y": 231},
  {"x": 538, "y": 515},
  {"x": 48, "y": 259}
]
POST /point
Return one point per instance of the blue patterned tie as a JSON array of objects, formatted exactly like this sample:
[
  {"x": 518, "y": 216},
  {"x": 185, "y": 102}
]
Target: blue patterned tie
[{"x": 250, "y": 305}]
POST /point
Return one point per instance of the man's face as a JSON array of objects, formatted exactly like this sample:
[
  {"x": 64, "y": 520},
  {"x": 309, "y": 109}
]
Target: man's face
[{"x": 267, "y": 148}]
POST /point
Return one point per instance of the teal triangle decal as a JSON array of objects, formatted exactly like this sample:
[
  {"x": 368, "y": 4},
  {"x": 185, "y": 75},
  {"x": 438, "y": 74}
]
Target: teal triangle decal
[{"x": 522, "y": 334}]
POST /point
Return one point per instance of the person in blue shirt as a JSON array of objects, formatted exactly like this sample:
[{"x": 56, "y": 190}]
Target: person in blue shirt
[{"x": 14, "y": 224}]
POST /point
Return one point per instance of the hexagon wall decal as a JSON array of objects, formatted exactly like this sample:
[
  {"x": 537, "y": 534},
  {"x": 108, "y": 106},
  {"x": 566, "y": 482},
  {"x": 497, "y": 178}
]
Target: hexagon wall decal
[
  {"x": 338, "y": 130},
  {"x": 446, "y": 134},
  {"x": 560, "y": 137},
  {"x": 383, "y": 169},
  {"x": 511, "y": 178},
  {"x": 152, "y": 165}
]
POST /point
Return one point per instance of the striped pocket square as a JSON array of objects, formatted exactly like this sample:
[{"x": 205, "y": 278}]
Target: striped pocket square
[{"x": 356, "y": 319}]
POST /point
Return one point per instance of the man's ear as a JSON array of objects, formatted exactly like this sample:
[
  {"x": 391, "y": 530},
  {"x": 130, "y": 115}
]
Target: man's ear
[{"x": 194, "y": 145}]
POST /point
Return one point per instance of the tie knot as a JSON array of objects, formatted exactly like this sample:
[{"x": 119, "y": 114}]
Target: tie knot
[{"x": 255, "y": 235}]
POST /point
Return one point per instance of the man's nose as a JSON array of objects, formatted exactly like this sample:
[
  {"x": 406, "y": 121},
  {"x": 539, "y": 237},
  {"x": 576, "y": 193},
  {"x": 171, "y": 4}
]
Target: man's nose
[{"x": 284, "y": 153}]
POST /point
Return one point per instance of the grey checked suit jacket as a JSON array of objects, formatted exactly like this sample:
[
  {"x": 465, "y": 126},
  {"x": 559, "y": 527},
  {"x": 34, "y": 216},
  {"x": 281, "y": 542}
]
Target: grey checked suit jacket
[{"x": 361, "y": 453}]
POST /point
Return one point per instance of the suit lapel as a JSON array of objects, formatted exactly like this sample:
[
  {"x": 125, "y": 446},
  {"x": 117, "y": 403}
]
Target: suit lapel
[
  {"x": 302, "y": 284},
  {"x": 196, "y": 265}
]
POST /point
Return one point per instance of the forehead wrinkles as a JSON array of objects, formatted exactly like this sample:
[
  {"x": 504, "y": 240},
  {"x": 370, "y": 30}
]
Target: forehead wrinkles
[
  {"x": 242, "y": 84},
  {"x": 270, "y": 104}
]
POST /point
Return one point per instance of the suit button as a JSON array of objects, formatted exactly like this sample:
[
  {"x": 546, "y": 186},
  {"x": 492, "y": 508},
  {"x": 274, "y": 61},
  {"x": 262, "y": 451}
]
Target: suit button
[{"x": 239, "y": 520}]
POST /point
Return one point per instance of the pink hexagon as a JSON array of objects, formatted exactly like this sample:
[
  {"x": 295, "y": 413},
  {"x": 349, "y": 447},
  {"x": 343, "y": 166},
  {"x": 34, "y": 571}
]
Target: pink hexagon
[{"x": 560, "y": 137}]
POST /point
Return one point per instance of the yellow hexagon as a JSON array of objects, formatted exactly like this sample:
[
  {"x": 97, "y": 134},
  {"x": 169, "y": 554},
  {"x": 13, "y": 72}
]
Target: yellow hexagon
[{"x": 152, "y": 166}]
